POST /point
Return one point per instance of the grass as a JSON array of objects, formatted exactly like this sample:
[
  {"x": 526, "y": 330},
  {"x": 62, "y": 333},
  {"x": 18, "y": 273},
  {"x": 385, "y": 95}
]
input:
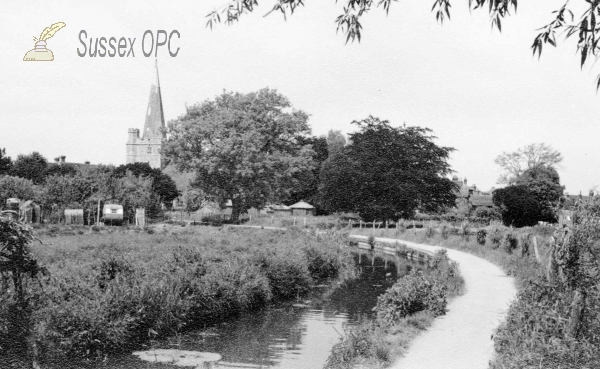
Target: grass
[
  {"x": 113, "y": 288},
  {"x": 403, "y": 311}
]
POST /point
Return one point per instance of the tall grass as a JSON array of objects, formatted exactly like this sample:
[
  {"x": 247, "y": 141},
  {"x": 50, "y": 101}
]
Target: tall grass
[{"x": 108, "y": 292}]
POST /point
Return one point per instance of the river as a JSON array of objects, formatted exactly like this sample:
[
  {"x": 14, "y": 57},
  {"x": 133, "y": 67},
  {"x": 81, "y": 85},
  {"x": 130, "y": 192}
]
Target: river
[{"x": 293, "y": 335}]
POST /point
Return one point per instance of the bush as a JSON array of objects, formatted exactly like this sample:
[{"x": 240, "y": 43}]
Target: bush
[
  {"x": 510, "y": 243},
  {"x": 481, "y": 236},
  {"x": 495, "y": 238},
  {"x": 413, "y": 293}
]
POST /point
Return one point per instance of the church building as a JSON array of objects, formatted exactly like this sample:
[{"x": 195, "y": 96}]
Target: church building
[{"x": 146, "y": 149}]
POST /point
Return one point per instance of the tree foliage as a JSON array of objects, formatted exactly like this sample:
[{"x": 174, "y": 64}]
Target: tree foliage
[
  {"x": 532, "y": 197},
  {"x": 569, "y": 19},
  {"x": 16, "y": 187},
  {"x": 5, "y": 162},
  {"x": 388, "y": 173},
  {"x": 32, "y": 166},
  {"x": 544, "y": 183},
  {"x": 162, "y": 184},
  {"x": 527, "y": 157},
  {"x": 518, "y": 206},
  {"x": 307, "y": 181},
  {"x": 242, "y": 147},
  {"x": 335, "y": 141}
]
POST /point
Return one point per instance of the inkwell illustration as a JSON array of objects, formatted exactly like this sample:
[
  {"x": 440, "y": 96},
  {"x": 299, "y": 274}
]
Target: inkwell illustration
[{"x": 40, "y": 52}]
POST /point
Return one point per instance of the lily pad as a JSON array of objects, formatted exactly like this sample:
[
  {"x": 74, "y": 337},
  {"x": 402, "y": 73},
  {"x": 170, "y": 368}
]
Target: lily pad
[{"x": 178, "y": 357}]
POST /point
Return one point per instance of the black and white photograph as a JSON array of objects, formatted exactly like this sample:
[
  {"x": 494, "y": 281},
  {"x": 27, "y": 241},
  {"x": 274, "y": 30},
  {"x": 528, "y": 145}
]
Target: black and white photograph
[{"x": 299, "y": 184}]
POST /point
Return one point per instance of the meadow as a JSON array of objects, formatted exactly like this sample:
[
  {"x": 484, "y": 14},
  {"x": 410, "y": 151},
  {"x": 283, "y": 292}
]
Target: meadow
[{"x": 111, "y": 289}]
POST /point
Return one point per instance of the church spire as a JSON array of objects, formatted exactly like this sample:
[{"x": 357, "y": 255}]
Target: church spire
[{"x": 155, "y": 118}]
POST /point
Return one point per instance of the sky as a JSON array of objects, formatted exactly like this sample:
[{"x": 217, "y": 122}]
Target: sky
[{"x": 479, "y": 91}]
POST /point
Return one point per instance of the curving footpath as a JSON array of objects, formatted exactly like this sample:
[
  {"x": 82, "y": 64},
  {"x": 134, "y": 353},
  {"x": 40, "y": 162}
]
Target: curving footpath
[{"x": 462, "y": 339}]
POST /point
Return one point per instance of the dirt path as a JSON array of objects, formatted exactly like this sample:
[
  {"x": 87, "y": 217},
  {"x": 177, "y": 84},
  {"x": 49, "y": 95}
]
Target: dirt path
[{"x": 461, "y": 339}]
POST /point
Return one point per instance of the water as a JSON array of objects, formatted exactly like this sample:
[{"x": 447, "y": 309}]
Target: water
[{"x": 294, "y": 335}]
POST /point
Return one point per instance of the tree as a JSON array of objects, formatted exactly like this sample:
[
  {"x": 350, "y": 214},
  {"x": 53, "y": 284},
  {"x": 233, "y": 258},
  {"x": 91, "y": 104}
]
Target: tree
[
  {"x": 5, "y": 162},
  {"x": 586, "y": 28},
  {"x": 527, "y": 157},
  {"x": 307, "y": 181},
  {"x": 335, "y": 141},
  {"x": 388, "y": 173},
  {"x": 242, "y": 147},
  {"x": 162, "y": 184},
  {"x": 192, "y": 200},
  {"x": 32, "y": 166},
  {"x": 518, "y": 206},
  {"x": 544, "y": 184},
  {"x": 15, "y": 187},
  {"x": 60, "y": 170}
]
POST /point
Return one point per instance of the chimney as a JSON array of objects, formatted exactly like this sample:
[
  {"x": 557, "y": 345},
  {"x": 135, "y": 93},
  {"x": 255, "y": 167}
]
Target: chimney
[
  {"x": 465, "y": 180},
  {"x": 62, "y": 159}
]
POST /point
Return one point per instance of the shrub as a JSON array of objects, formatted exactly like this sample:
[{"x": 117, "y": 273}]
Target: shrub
[
  {"x": 495, "y": 238},
  {"x": 481, "y": 236},
  {"x": 413, "y": 293},
  {"x": 510, "y": 243}
]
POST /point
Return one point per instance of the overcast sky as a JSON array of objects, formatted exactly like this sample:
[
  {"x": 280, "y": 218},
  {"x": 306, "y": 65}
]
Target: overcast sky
[{"x": 481, "y": 92}]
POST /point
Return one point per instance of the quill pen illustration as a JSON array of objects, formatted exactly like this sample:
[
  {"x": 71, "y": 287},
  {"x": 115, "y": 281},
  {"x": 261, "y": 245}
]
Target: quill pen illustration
[{"x": 40, "y": 52}]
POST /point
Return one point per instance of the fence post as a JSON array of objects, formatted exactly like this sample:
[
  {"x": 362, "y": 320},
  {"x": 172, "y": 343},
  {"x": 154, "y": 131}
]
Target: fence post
[
  {"x": 414, "y": 227},
  {"x": 304, "y": 222},
  {"x": 537, "y": 252}
]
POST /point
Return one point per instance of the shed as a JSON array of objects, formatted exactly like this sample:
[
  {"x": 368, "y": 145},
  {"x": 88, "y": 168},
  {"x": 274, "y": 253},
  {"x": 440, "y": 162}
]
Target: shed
[
  {"x": 302, "y": 209},
  {"x": 74, "y": 216},
  {"x": 112, "y": 214}
]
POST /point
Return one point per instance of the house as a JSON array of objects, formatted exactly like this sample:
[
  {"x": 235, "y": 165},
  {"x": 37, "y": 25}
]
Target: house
[{"x": 471, "y": 194}]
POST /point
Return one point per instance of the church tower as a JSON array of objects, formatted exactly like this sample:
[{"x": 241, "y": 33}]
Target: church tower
[{"x": 146, "y": 149}]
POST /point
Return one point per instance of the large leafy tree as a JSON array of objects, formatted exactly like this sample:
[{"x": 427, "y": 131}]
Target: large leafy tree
[
  {"x": 242, "y": 147},
  {"x": 388, "y": 172},
  {"x": 5, "y": 162},
  {"x": 32, "y": 166},
  {"x": 526, "y": 158},
  {"x": 575, "y": 17}
]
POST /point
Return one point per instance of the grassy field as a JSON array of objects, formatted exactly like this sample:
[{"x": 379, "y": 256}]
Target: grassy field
[{"x": 112, "y": 288}]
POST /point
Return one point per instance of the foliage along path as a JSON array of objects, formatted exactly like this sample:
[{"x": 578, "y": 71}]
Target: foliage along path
[{"x": 463, "y": 337}]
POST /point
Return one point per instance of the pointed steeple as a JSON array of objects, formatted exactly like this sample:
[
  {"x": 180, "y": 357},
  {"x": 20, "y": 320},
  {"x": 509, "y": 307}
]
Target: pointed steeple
[{"x": 155, "y": 118}]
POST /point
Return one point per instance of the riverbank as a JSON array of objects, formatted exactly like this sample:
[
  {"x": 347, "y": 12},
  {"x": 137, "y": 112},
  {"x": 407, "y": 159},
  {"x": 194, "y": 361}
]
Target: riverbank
[
  {"x": 403, "y": 312},
  {"x": 535, "y": 333},
  {"x": 112, "y": 289}
]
